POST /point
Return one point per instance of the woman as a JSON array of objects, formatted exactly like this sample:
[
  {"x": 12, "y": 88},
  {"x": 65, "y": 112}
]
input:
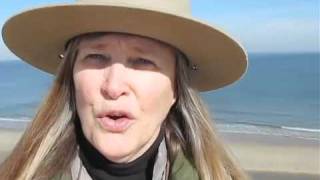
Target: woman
[{"x": 125, "y": 103}]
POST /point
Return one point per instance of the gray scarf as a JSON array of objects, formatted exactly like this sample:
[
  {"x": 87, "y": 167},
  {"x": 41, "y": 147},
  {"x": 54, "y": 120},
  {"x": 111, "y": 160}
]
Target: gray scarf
[{"x": 160, "y": 170}]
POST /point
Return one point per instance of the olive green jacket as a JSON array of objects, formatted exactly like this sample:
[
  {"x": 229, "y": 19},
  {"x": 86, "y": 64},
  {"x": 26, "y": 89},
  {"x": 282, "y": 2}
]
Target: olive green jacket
[{"x": 182, "y": 169}]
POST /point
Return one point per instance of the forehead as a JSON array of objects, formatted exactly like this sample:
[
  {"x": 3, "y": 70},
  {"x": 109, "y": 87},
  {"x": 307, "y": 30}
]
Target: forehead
[{"x": 105, "y": 40}]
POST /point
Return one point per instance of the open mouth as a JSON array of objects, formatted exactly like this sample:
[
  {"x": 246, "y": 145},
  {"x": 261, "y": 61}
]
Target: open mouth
[
  {"x": 116, "y": 121},
  {"x": 116, "y": 117}
]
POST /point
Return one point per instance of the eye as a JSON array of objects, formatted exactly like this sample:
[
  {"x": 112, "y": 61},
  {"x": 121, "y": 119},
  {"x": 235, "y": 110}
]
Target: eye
[
  {"x": 143, "y": 63},
  {"x": 98, "y": 57}
]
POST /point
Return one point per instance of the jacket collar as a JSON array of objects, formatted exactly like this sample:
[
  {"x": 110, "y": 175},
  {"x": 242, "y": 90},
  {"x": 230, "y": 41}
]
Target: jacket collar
[
  {"x": 181, "y": 168},
  {"x": 160, "y": 170}
]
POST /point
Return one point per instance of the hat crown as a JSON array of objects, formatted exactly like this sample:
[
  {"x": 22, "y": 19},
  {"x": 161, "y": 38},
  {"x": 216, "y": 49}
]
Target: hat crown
[{"x": 181, "y": 7}]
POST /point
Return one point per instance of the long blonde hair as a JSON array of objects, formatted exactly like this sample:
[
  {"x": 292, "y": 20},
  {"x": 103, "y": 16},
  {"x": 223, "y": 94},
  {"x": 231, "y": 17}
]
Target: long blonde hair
[
  {"x": 48, "y": 145},
  {"x": 191, "y": 129}
]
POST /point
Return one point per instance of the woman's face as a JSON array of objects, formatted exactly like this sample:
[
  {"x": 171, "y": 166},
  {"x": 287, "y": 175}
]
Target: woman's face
[{"x": 124, "y": 88}]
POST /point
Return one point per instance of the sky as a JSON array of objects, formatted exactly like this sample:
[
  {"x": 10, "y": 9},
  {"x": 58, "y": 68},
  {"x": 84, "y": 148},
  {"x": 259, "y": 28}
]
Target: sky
[{"x": 278, "y": 26}]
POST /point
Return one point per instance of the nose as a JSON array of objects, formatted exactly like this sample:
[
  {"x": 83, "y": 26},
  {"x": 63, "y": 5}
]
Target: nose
[{"x": 114, "y": 85}]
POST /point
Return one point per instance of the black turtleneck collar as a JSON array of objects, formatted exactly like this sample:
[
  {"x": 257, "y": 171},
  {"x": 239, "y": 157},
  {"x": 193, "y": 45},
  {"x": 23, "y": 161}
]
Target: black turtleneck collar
[{"x": 100, "y": 168}]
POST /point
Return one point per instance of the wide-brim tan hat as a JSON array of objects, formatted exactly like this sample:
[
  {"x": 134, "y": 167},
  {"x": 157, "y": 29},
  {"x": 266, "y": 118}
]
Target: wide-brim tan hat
[{"x": 38, "y": 36}]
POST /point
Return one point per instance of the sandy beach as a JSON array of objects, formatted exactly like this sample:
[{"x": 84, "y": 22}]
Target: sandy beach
[
  {"x": 276, "y": 157},
  {"x": 8, "y": 138},
  {"x": 263, "y": 157}
]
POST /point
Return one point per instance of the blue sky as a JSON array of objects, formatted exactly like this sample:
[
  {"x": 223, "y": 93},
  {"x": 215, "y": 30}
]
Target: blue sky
[{"x": 261, "y": 26}]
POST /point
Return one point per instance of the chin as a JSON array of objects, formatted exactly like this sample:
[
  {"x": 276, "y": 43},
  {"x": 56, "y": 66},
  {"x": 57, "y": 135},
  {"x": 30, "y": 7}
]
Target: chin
[
  {"x": 114, "y": 148},
  {"x": 116, "y": 154}
]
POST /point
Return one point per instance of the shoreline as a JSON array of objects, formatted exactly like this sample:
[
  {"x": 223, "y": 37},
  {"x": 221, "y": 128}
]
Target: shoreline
[
  {"x": 224, "y": 128},
  {"x": 269, "y": 130}
]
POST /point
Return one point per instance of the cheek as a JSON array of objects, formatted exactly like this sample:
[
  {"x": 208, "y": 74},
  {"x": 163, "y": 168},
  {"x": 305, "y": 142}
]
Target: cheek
[
  {"x": 86, "y": 87},
  {"x": 157, "y": 97},
  {"x": 86, "y": 93}
]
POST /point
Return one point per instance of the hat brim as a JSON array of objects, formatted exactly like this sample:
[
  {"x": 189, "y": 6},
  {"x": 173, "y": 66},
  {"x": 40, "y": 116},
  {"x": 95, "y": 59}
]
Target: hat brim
[{"x": 38, "y": 36}]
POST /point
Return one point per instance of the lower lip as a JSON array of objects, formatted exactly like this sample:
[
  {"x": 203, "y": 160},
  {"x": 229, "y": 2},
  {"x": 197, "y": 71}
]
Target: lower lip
[{"x": 115, "y": 126}]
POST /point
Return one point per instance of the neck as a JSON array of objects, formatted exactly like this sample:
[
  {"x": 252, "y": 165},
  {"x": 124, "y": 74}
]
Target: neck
[{"x": 100, "y": 167}]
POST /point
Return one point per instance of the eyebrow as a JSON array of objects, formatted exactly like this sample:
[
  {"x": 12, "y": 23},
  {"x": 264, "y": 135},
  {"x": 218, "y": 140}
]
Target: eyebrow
[{"x": 140, "y": 50}]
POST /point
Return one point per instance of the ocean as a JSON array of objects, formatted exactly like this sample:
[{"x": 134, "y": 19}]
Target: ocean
[{"x": 279, "y": 95}]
